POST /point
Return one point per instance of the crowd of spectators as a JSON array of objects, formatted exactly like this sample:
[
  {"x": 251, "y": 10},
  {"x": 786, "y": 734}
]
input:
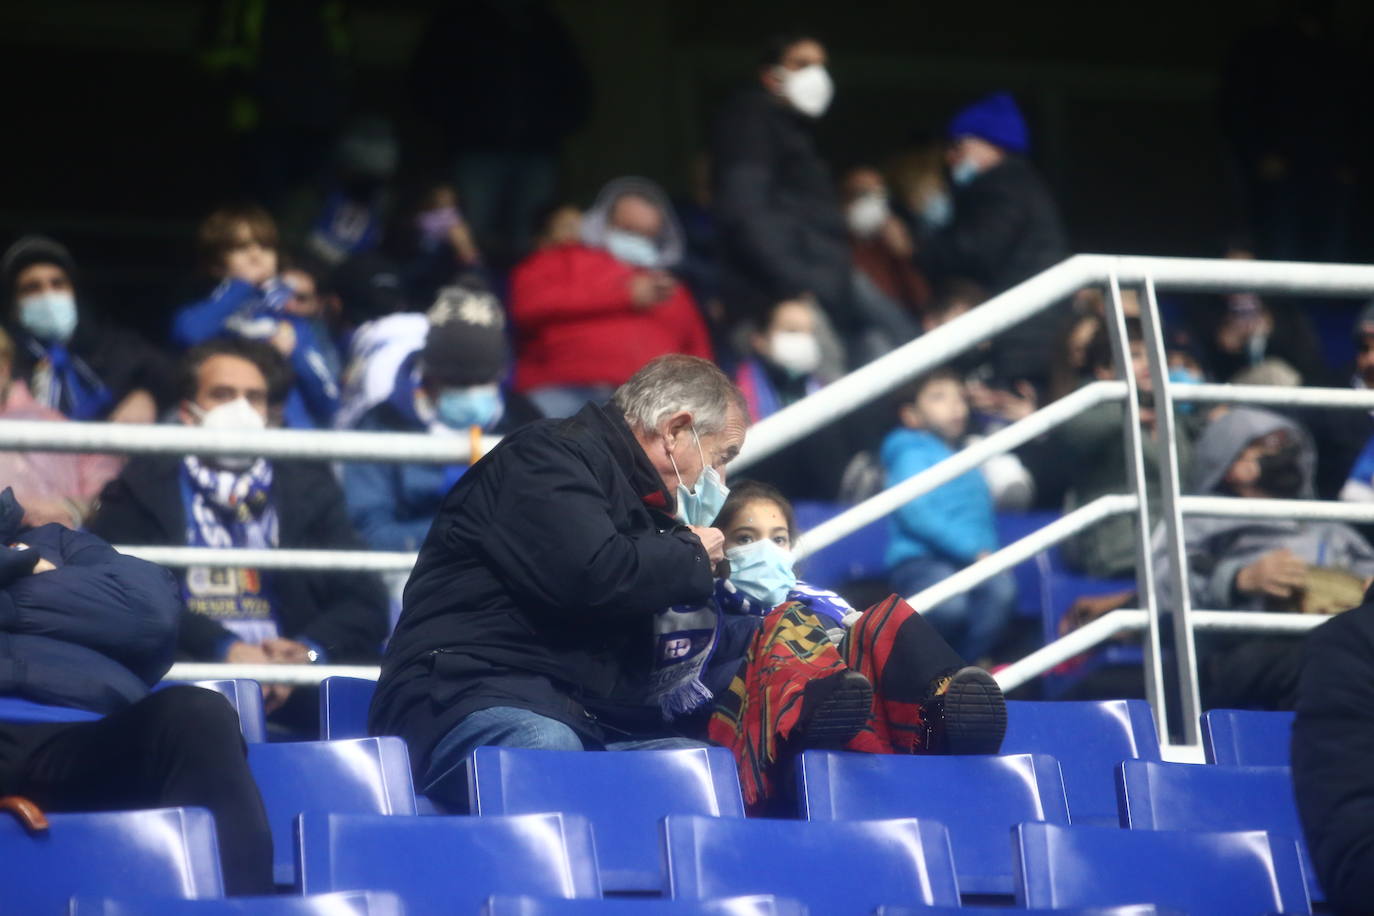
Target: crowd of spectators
[{"x": 445, "y": 309}]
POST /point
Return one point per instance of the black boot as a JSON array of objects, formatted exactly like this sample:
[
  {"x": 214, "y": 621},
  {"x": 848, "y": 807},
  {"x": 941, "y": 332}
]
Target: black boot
[{"x": 965, "y": 714}]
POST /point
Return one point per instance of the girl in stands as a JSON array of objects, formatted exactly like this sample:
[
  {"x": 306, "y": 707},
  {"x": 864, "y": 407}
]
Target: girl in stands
[{"x": 803, "y": 660}]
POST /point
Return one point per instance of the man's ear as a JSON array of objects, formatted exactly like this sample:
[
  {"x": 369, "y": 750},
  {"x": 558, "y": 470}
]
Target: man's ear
[
  {"x": 910, "y": 416},
  {"x": 674, "y": 426}
]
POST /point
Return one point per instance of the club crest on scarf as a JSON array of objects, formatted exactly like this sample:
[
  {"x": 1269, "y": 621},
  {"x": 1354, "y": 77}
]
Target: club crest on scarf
[{"x": 684, "y": 639}]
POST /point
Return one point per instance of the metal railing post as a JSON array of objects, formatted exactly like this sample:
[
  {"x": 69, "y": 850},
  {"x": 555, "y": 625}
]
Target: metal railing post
[
  {"x": 1185, "y": 647},
  {"x": 1135, "y": 470}
]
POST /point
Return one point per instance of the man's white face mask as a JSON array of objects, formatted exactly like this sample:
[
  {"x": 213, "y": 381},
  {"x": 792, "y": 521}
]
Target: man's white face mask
[
  {"x": 237, "y": 414},
  {"x": 809, "y": 89}
]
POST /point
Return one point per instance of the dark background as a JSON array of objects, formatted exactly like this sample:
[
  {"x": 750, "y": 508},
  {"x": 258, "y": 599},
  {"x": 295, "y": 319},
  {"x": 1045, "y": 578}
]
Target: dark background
[{"x": 114, "y": 139}]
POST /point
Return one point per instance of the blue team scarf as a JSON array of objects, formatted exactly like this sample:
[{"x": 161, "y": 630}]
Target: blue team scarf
[
  {"x": 65, "y": 383},
  {"x": 229, "y": 508}
]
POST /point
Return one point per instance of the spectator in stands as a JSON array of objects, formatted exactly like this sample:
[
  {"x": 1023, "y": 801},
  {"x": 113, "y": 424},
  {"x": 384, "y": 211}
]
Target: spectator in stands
[
  {"x": 1261, "y": 564},
  {"x": 1250, "y": 334},
  {"x": 562, "y": 225},
  {"x": 450, "y": 386},
  {"x": 91, "y": 629},
  {"x": 588, "y": 315},
  {"x": 249, "y": 615},
  {"x": 1005, "y": 226},
  {"x": 239, "y": 250},
  {"x": 1093, "y": 447},
  {"x": 346, "y": 213},
  {"x": 936, "y": 535},
  {"x": 784, "y": 365},
  {"x": 1333, "y": 742},
  {"x": 782, "y": 229},
  {"x": 56, "y": 487},
  {"x": 434, "y": 244},
  {"x": 312, "y": 303},
  {"x": 71, "y": 359},
  {"x": 1349, "y": 436},
  {"x": 888, "y": 289}
]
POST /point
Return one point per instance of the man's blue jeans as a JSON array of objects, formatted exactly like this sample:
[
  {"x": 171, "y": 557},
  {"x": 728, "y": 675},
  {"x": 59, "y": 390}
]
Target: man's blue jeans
[
  {"x": 972, "y": 622},
  {"x": 509, "y": 726}
]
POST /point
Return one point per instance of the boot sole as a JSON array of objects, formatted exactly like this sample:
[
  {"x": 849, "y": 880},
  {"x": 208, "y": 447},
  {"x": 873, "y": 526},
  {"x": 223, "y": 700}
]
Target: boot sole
[
  {"x": 975, "y": 713},
  {"x": 843, "y": 714}
]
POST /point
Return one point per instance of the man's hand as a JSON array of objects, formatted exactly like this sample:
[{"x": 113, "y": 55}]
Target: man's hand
[
  {"x": 286, "y": 651},
  {"x": 1278, "y": 573},
  {"x": 284, "y": 339},
  {"x": 244, "y": 653},
  {"x": 713, "y": 539},
  {"x": 274, "y": 697},
  {"x": 648, "y": 288}
]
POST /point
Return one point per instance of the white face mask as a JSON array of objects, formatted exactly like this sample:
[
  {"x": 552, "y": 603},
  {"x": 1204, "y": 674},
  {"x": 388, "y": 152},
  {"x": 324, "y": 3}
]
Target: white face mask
[
  {"x": 809, "y": 89},
  {"x": 867, "y": 213},
  {"x": 237, "y": 414},
  {"x": 796, "y": 351}
]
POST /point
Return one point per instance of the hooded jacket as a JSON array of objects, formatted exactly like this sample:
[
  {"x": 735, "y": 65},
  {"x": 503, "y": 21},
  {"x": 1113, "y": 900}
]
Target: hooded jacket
[
  {"x": 954, "y": 522},
  {"x": 1219, "y": 548},
  {"x": 537, "y": 586},
  {"x": 575, "y": 321},
  {"x": 95, "y": 633}
]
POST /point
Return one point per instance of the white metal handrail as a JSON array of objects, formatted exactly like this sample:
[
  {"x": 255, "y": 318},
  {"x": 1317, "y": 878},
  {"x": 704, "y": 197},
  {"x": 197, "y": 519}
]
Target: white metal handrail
[{"x": 283, "y": 558}]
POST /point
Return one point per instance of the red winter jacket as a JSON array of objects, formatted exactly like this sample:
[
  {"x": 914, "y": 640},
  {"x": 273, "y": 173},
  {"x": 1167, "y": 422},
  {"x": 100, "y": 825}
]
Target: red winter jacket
[{"x": 575, "y": 323}]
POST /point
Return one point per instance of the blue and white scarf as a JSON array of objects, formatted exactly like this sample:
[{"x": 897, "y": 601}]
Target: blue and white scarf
[{"x": 65, "y": 383}]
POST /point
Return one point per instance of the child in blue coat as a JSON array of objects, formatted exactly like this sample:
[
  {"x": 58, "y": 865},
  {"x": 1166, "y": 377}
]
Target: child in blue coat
[{"x": 936, "y": 535}]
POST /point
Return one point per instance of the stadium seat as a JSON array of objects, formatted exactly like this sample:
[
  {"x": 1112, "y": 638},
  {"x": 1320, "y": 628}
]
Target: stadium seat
[
  {"x": 360, "y": 776},
  {"x": 448, "y": 864},
  {"x": 1185, "y": 796},
  {"x": 834, "y": 867},
  {"x": 978, "y": 799},
  {"x": 14, "y": 709},
  {"x": 756, "y": 905},
  {"x": 1140, "y": 909},
  {"x": 1088, "y": 739},
  {"x": 1012, "y": 527},
  {"x": 1246, "y": 737},
  {"x": 345, "y": 903},
  {"x": 1202, "y": 872},
  {"x": 861, "y": 555},
  {"x": 624, "y": 794},
  {"x": 166, "y": 852},
  {"x": 343, "y": 706}
]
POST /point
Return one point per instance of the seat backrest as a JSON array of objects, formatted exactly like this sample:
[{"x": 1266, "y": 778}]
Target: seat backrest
[
  {"x": 1138, "y": 909},
  {"x": 1247, "y": 737},
  {"x": 1088, "y": 739},
  {"x": 448, "y": 864},
  {"x": 1185, "y": 796},
  {"x": 755, "y": 905},
  {"x": 1199, "y": 872},
  {"x": 831, "y": 867},
  {"x": 244, "y": 695},
  {"x": 860, "y": 555},
  {"x": 357, "y": 776},
  {"x": 345, "y": 903},
  {"x": 343, "y": 706},
  {"x": 165, "y": 852},
  {"x": 978, "y": 799},
  {"x": 623, "y": 794}
]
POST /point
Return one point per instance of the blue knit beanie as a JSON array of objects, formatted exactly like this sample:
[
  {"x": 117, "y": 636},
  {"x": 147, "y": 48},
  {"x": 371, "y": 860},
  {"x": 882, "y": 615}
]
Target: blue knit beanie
[{"x": 995, "y": 119}]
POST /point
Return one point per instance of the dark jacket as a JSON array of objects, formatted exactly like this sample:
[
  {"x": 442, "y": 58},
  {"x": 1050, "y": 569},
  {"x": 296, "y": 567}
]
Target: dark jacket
[
  {"x": 1006, "y": 228},
  {"x": 344, "y": 613},
  {"x": 781, "y": 227},
  {"x": 122, "y": 360},
  {"x": 95, "y": 633},
  {"x": 1333, "y": 753},
  {"x": 537, "y": 585}
]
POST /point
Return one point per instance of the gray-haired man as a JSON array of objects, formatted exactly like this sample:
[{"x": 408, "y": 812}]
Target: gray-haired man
[{"x": 531, "y": 615}]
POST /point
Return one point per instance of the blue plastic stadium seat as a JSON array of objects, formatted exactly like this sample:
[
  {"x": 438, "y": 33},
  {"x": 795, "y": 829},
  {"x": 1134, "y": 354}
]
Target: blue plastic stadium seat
[
  {"x": 346, "y": 903},
  {"x": 1088, "y": 739},
  {"x": 343, "y": 706},
  {"x": 448, "y": 864},
  {"x": 359, "y": 776},
  {"x": 978, "y": 799},
  {"x": 834, "y": 868},
  {"x": 1247, "y": 737},
  {"x": 1202, "y": 872},
  {"x": 1139, "y": 909},
  {"x": 1184, "y": 796},
  {"x": 166, "y": 852},
  {"x": 755, "y": 905},
  {"x": 244, "y": 695},
  {"x": 1011, "y": 527},
  {"x": 861, "y": 555},
  {"x": 624, "y": 794}
]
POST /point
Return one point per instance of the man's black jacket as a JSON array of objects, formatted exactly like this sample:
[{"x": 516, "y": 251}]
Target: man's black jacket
[
  {"x": 781, "y": 227},
  {"x": 1333, "y": 756},
  {"x": 343, "y": 612},
  {"x": 537, "y": 586}
]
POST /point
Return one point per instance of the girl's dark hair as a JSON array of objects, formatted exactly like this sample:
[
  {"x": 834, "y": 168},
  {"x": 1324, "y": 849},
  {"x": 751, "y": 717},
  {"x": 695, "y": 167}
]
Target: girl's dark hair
[{"x": 743, "y": 492}]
